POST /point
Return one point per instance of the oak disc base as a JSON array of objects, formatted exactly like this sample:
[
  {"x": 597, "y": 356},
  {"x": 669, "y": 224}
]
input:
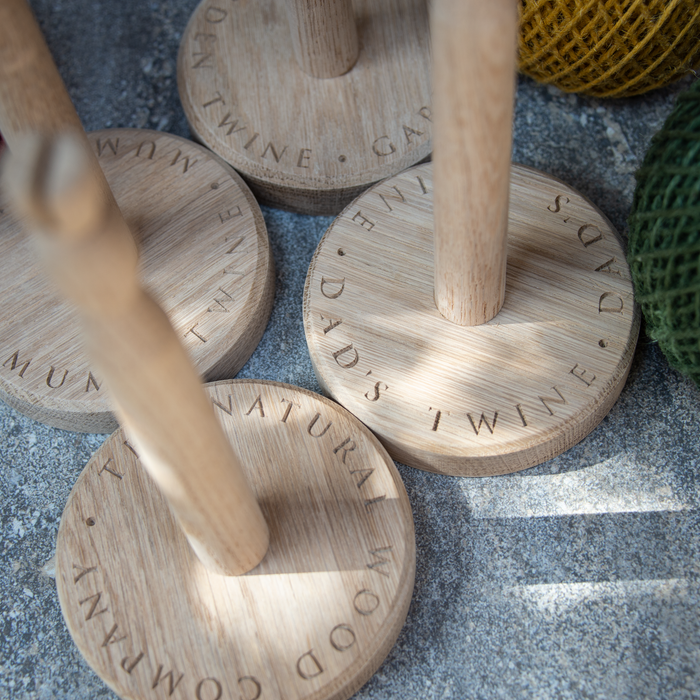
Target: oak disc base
[
  {"x": 205, "y": 258},
  {"x": 484, "y": 400},
  {"x": 313, "y": 620},
  {"x": 307, "y": 144}
]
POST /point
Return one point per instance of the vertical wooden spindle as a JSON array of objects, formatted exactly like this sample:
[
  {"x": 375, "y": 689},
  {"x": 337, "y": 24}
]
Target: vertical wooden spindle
[
  {"x": 324, "y": 36},
  {"x": 474, "y": 49}
]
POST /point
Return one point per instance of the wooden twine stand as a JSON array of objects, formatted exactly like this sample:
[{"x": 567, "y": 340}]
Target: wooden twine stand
[
  {"x": 252, "y": 540},
  {"x": 309, "y": 134},
  {"x": 413, "y": 322},
  {"x": 150, "y": 563},
  {"x": 204, "y": 248}
]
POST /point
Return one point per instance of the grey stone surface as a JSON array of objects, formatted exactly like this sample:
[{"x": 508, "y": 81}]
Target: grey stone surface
[{"x": 574, "y": 579}]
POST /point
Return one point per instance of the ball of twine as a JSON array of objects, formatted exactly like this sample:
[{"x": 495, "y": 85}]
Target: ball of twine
[
  {"x": 609, "y": 48},
  {"x": 664, "y": 240}
]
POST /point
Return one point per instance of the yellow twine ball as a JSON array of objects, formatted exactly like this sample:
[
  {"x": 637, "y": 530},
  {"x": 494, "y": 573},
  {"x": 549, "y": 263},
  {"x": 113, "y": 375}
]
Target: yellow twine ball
[{"x": 609, "y": 48}]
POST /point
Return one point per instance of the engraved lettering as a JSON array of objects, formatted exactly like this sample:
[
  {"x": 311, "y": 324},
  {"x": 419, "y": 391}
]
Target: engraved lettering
[
  {"x": 313, "y": 422},
  {"x": 231, "y": 125},
  {"x": 227, "y": 217},
  {"x": 129, "y": 665},
  {"x": 91, "y": 380},
  {"x": 257, "y": 404},
  {"x": 83, "y": 572},
  {"x": 333, "y": 324},
  {"x": 205, "y": 56},
  {"x": 129, "y": 447},
  {"x": 16, "y": 361},
  {"x": 342, "y": 637},
  {"x": 366, "y": 601},
  {"x": 372, "y": 501},
  {"x": 230, "y": 270},
  {"x": 376, "y": 391},
  {"x": 172, "y": 683},
  {"x": 92, "y": 611},
  {"x": 383, "y": 146},
  {"x": 238, "y": 241},
  {"x": 214, "y": 692},
  {"x": 399, "y": 198},
  {"x": 426, "y": 113},
  {"x": 218, "y": 98},
  {"x": 544, "y": 399},
  {"x": 50, "y": 377},
  {"x": 519, "y": 409},
  {"x": 483, "y": 420},
  {"x": 150, "y": 153},
  {"x": 308, "y": 666},
  {"x": 580, "y": 373},
  {"x": 557, "y": 204},
  {"x": 348, "y": 445},
  {"x": 424, "y": 189},
  {"x": 331, "y": 294},
  {"x": 366, "y": 473},
  {"x": 110, "y": 639},
  {"x": 409, "y": 133},
  {"x": 215, "y": 15},
  {"x": 256, "y": 690},
  {"x": 251, "y": 141},
  {"x": 587, "y": 234},
  {"x": 194, "y": 332},
  {"x": 304, "y": 156},
  {"x": 381, "y": 560},
  {"x": 350, "y": 363},
  {"x": 436, "y": 422},
  {"x": 221, "y": 308},
  {"x": 114, "y": 147},
  {"x": 228, "y": 410},
  {"x": 288, "y": 410},
  {"x": 106, "y": 468},
  {"x": 605, "y": 267},
  {"x": 185, "y": 161},
  {"x": 608, "y": 303},
  {"x": 270, "y": 147},
  {"x": 363, "y": 221}
]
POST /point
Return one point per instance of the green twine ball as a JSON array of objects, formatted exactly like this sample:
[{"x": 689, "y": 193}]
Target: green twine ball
[{"x": 664, "y": 241}]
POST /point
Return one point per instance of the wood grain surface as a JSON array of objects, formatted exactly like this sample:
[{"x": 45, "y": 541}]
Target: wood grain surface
[
  {"x": 472, "y": 400},
  {"x": 317, "y": 616},
  {"x": 204, "y": 255},
  {"x": 302, "y": 143}
]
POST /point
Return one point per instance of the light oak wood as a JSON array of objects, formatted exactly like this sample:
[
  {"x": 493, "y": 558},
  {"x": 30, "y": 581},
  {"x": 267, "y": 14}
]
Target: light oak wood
[
  {"x": 204, "y": 256},
  {"x": 88, "y": 251},
  {"x": 474, "y": 83},
  {"x": 313, "y": 620},
  {"x": 302, "y": 143},
  {"x": 33, "y": 98},
  {"x": 324, "y": 36},
  {"x": 472, "y": 400}
]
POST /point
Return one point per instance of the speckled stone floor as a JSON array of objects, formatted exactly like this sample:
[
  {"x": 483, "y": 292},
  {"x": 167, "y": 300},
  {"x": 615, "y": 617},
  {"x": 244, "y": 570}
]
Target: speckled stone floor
[{"x": 574, "y": 579}]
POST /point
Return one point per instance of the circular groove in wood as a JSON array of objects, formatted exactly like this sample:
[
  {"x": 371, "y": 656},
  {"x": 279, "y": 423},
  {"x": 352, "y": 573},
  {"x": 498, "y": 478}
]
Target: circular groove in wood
[
  {"x": 204, "y": 256},
  {"x": 303, "y": 143},
  {"x": 317, "y": 616},
  {"x": 472, "y": 401}
]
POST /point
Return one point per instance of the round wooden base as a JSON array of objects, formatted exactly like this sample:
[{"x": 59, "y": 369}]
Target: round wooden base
[
  {"x": 306, "y": 144},
  {"x": 483, "y": 400},
  {"x": 313, "y": 620},
  {"x": 205, "y": 258}
]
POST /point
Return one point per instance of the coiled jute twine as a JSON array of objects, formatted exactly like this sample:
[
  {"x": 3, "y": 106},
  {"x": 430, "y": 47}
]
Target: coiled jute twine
[
  {"x": 664, "y": 238},
  {"x": 609, "y": 48}
]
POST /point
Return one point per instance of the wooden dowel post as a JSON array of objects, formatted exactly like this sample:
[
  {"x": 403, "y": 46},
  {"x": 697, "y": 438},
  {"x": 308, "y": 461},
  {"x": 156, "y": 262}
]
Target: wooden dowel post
[
  {"x": 158, "y": 397},
  {"x": 324, "y": 36},
  {"x": 91, "y": 254},
  {"x": 474, "y": 57}
]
